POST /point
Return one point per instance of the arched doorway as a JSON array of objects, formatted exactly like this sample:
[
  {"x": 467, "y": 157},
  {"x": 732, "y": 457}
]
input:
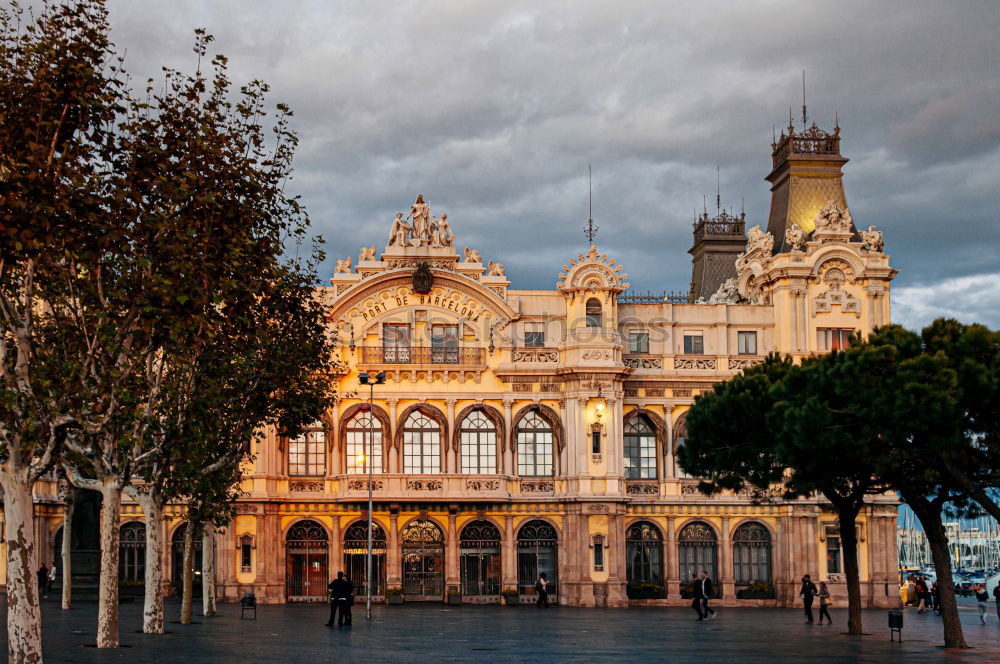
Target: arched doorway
[
  {"x": 536, "y": 553},
  {"x": 698, "y": 551},
  {"x": 644, "y": 561},
  {"x": 306, "y": 575},
  {"x": 752, "y": 560},
  {"x": 423, "y": 561},
  {"x": 479, "y": 551},
  {"x": 356, "y": 557},
  {"x": 177, "y": 568},
  {"x": 132, "y": 554}
]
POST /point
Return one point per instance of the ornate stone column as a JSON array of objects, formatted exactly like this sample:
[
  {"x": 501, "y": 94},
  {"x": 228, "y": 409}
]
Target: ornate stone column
[
  {"x": 614, "y": 561},
  {"x": 451, "y": 465},
  {"x": 508, "y": 558},
  {"x": 726, "y": 574},
  {"x": 388, "y": 444},
  {"x": 451, "y": 555},
  {"x": 672, "y": 560},
  {"x": 393, "y": 563},
  {"x": 336, "y": 550}
]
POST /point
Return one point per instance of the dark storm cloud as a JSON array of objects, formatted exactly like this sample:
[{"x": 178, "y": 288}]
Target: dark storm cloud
[{"x": 493, "y": 110}]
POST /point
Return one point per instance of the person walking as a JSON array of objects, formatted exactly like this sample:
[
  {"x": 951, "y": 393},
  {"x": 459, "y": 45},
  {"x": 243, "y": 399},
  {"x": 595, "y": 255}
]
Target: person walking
[
  {"x": 983, "y": 600},
  {"x": 996, "y": 596},
  {"x": 934, "y": 598},
  {"x": 807, "y": 592},
  {"x": 697, "y": 593},
  {"x": 43, "y": 581},
  {"x": 706, "y": 594},
  {"x": 542, "y": 589},
  {"x": 340, "y": 592},
  {"x": 824, "y": 603},
  {"x": 920, "y": 588},
  {"x": 52, "y": 577}
]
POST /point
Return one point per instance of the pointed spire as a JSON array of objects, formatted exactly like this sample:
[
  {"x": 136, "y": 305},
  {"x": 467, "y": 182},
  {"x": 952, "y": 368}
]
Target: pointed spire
[
  {"x": 718, "y": 190},
  {"x": 804, "y": 115},
  {"x": 590, "y": 230}
]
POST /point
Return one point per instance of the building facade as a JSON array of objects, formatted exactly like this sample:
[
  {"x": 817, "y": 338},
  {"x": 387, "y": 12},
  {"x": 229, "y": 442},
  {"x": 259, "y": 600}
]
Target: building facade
[{"x": 528, "y": 431}]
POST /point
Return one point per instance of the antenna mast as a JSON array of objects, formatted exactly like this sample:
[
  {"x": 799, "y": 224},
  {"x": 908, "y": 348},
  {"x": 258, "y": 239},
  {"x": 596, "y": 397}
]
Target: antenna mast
[
  {"x": 804, "y": 99},
  {"x": 718, "y": 191},
  {"x": 590, "y": 230}
]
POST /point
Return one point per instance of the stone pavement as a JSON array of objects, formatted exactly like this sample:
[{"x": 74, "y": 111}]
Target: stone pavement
[{"x": 439, "y": 633}]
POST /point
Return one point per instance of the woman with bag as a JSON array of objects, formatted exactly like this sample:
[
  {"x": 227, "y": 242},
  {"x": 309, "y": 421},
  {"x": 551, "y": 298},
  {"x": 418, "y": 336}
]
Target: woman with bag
[{"x": 824, "y": 603}]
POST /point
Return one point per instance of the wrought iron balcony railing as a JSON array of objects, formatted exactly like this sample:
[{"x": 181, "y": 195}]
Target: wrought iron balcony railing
[{"x": 420, "y": 355}]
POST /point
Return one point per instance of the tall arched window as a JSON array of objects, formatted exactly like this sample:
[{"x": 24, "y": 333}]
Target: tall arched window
[
  {"x": 594, "y": 312},
  {"x": 752, "y": 555},
  {"x": 132, "y": 553},
  {"x": 479, "y": 548},
  {"x": 536, "y": 553},
  {"x": 680, "y": 433},
  {"x": 421, "y": 444},
  {"x": 364, "y": 430},
  {"x": 478, "y": 444},
  {"x": 534, "y": 447},
  {"x": 306, "y": 561},
  {"x": 644, "y": 561},
  {"x": 697, "y": 552},
  {"x": 307, "y": 452},
  {"x": 640, "y": 449}
]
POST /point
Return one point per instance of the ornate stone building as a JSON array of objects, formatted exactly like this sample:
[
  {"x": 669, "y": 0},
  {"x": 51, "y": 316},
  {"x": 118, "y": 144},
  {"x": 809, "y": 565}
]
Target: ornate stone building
[{"x": 522, "y": 431}]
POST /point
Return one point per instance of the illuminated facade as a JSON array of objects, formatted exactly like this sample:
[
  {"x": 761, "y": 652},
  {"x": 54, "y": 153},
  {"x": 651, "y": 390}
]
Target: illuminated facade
[{"x": 522, "y": 431}]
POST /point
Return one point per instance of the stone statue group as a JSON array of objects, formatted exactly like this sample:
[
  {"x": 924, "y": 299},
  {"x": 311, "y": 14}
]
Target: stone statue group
[{"x": 417, "y": 229}]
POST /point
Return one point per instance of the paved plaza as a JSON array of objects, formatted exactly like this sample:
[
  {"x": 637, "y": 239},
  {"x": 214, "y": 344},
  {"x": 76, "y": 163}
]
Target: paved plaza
[{"x": 439, "y": 633}]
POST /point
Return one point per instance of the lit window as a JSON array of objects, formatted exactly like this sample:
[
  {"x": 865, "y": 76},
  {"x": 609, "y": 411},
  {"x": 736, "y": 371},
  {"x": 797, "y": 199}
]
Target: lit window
[
  {"x": 479, "y": 444},
  {"x": 534, "y": 447},
  {"x": 421, "y": 444},
  {"x": 640, "y": 449},
  {"x": 246, "y": 553},
  {"x": 834, "y": 556},
  {"x": 693, "y": 344},
  {"x": 746, "y": 343},
  {"x": 307, "y": 452},
  {"x": 833, "y": 338},
  {"x": 364, "y": 437},
  {"x": 638, "y": 342}
]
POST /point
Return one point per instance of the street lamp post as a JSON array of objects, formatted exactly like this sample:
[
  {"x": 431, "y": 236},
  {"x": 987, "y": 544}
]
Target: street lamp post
[{"x": 371, "y": 382}]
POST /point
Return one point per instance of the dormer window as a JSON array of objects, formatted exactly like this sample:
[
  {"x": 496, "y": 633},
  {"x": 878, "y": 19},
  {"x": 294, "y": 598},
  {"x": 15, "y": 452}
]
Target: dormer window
[{"x": 594, "y": 313}]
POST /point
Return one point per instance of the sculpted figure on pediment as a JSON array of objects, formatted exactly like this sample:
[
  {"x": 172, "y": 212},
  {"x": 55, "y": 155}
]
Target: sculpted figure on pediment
[
  {"x": 495, "y": 269},
  {"x": 728, "y": 293},
  {"x": 399, "y": 236},
  {"x": 833, "y": 218},
  {"x": 795, "y": 238},
  {"x": 367, "y": 254},
  {"x": 758, "y": 239},
  {"x": 472, "y": 256},
  {"x": 872, "y": 240},
  {"x": 420, "y": 215},
  {"x": 441, "y": 235},
  {"x": 343, "y": 266}
]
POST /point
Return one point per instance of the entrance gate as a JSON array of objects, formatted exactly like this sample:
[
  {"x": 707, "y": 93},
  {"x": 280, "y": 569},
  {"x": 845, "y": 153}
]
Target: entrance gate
[
  {"x": 423, "y": 561},
  {"x": 306, "y": 563}
]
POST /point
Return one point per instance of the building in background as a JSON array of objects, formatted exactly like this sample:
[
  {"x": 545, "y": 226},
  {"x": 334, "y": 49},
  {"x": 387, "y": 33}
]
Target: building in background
[{"x": 528, "y": 431}]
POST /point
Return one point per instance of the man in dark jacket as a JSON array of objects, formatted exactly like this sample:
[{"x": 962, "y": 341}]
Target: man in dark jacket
[
  {"x": 696, "y": 596},
  {"x": 707, "y": 589},
  {"x": 807, "y": 592},
  {"x": 341, "y": 591}
]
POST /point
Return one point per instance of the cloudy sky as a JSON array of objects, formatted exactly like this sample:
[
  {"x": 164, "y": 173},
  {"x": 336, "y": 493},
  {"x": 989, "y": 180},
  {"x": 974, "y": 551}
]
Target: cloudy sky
[{"x": 493, "y": 110}]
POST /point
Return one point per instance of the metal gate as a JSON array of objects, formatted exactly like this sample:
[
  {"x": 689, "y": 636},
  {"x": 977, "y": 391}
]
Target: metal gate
[
  {"x": 423, "y": 561},
  {"x": 306, "y": 575}
]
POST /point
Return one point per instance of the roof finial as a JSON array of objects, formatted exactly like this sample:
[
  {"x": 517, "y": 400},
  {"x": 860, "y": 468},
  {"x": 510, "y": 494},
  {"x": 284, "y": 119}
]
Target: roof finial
[
  {"x": 704, "y": 205},
  {"x": 718, "y": 191},
  {"x": 791, "y": 122},
  {"x": 590, "y": 230},
  {"x": 804, "y": 116},
  {"x": 836, "y": 118}
]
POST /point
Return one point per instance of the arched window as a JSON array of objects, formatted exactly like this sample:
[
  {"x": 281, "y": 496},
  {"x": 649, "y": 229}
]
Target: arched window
[
  {"x": 594, "y": 312},
  {"x": 752, "y": 555},
  {"x": 479, "y": 548},
  {"x": 307, "y": 452},
  {"x": 640, "y": 449},
  {"x": 364, "y": 430},
  {"x": 644, "y": 561},
  {"x": 132, "y": 553},
  {"x": 536, "y": 553},
  {"x": 534, "y": 447},
  {"x": 478, "y": 444},
  {"x": 698, "y": 551},
  {"x": 306, "y": 561},
  {"x": 356, "y": 557},
  {"x": 421, "y": 444},
  {"x": 680, "y": 433}
]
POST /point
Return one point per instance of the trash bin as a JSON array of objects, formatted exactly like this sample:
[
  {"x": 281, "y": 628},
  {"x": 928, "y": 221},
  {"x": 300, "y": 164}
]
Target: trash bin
[{"x": 896, "y": 625}]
